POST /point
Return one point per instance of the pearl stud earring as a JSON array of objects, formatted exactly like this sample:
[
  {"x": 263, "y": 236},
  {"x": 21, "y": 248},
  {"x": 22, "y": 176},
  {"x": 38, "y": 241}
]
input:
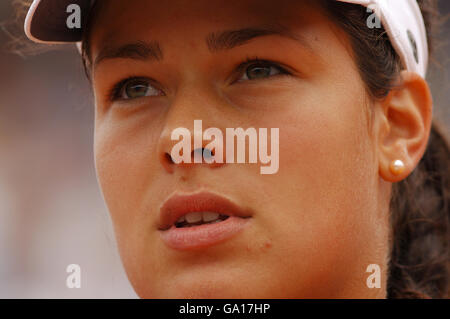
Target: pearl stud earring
[{"x": 397, "y": 167}]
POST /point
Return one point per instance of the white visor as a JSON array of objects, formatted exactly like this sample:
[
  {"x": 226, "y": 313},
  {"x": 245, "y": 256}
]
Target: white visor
[{"x": 47, "y": 21}]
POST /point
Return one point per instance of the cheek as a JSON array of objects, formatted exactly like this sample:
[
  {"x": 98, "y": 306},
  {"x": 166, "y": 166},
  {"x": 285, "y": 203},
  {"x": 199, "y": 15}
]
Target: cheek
[
  {"x": 325, "y": 189},
  {"x": 125, "y": 163}
]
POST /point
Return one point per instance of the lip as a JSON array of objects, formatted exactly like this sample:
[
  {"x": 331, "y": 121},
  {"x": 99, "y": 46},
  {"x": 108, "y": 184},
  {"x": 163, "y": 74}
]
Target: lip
[{"x": 200, "y": 236}]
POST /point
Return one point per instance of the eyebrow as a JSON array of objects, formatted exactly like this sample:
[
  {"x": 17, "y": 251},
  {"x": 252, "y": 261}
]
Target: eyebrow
[
  {"x": 216, "y": 41},
  {"x": 139, "y": 50},
  {"x": 226, "y": 40}
]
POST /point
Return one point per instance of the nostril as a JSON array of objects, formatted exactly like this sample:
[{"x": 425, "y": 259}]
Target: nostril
[
  {"x": 208, "y": 153},
  {"x": 169, "y": 158},
  {"x": 203, "y": 152}
]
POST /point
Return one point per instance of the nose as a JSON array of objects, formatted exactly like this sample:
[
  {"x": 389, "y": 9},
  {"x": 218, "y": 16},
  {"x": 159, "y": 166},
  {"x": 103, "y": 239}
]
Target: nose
[{"x": 186, "y": 140}]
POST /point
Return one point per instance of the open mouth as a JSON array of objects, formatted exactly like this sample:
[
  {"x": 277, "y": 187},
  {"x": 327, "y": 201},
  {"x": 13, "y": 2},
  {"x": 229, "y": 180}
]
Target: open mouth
[
  {"x": 199, "y": 218},
  {"x": 202, "y": 208}
]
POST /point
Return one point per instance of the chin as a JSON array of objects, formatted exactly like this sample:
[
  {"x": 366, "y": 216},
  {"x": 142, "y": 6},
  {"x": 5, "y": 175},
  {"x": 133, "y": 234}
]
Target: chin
[{"x": 203, "y": 289}]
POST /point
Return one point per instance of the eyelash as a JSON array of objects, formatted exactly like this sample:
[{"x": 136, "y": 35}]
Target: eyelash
[
  {"x": 249, "y": 61},
  {"x": 115, "y": 92}
]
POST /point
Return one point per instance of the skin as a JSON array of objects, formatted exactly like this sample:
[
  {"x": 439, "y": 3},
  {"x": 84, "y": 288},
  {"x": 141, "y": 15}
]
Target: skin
[{"x": 317, "y": 223}]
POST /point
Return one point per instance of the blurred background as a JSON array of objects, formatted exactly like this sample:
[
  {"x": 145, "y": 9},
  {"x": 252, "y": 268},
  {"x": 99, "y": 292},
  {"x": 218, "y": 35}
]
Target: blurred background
[{"x": 51, "y": 210}]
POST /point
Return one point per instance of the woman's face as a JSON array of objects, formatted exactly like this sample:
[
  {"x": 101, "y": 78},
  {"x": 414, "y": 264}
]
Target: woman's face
[{"x": 316, "y": 224}]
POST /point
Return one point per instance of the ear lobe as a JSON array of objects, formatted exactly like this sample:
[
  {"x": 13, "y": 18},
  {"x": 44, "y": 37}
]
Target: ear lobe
[{"x": 406, "y": 124}]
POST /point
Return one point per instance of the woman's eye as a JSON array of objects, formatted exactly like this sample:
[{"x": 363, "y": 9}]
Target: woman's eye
[
  {"x": 134, "y": 88},
  {"x": 260, "y": 70}
]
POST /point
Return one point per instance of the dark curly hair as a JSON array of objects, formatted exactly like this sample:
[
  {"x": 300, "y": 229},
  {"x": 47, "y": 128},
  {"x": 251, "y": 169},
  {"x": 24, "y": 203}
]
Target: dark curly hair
[{"x": 419, "y": 265}]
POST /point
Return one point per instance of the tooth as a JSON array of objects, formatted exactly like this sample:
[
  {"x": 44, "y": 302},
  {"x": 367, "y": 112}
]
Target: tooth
[
  {"x": 210, "y": 216},
  {"x": 181, "y": 219},
  {"x": 194, "y": 217}
]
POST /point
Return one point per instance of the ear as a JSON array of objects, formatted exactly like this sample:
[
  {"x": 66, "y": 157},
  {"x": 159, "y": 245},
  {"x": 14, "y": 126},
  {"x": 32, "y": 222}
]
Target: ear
[{"x": 405, "y": 126}]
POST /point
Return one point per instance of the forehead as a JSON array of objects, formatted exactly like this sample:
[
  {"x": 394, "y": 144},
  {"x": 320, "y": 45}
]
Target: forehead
[{"x": 123, "y": 20}]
